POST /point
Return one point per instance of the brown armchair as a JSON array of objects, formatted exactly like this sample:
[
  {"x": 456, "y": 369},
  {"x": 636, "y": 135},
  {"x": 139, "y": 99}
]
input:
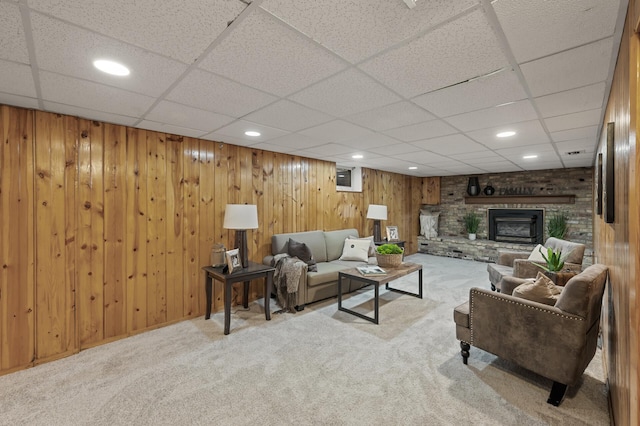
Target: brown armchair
[
  {"x": 516, "y": 264},
  {"x": 556, "y": 342}
]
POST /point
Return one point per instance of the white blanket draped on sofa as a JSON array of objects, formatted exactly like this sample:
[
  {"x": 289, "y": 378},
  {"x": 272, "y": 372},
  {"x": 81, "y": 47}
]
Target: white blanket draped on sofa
[{"x": 286, "y": 279}]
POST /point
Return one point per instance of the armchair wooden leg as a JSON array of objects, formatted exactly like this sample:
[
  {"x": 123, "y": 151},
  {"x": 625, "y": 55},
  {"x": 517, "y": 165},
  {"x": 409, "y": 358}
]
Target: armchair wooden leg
[
  {"x": 464, "y": 346},
  {"x": 557, "y": 393}
]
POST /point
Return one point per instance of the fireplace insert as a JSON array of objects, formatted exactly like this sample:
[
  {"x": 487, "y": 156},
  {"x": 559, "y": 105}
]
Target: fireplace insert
[{"x": 516, "y": 225}]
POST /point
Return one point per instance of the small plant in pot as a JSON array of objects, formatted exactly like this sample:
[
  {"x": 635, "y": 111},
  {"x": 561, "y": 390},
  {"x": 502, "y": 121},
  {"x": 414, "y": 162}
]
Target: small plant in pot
[
  {"x": 554, "y": 266},
  {"x": 471, "y": 224},
  {"x": 389, "y": 255}
]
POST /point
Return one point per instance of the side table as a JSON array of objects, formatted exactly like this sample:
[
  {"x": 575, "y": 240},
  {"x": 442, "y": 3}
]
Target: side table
[{"x": 245, "y": 275}]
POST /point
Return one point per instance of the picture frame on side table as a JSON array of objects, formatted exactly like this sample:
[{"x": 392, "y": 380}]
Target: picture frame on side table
[
  {"x": 392, "y": 233},
  {"x": 233, "y": 259}
]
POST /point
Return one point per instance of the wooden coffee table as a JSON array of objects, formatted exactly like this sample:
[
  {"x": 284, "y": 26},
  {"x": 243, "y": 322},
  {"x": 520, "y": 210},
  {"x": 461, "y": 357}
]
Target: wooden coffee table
[{"x": 392, "y": 274}]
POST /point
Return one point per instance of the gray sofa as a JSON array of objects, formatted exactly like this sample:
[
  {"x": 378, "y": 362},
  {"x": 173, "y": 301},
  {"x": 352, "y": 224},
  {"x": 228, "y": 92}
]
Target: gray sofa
[{"x": 326, "y": 247}]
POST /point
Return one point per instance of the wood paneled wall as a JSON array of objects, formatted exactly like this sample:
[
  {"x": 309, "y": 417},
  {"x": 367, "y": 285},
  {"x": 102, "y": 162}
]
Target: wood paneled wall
[
  {"x": 105, "y": 228},
  {"x": 616, "y": 244}
]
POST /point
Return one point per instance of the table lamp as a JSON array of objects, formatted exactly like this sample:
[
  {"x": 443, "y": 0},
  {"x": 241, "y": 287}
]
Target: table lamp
[
  {"x": 377, "y": 212},
  {"x": 241, "y": 217}
]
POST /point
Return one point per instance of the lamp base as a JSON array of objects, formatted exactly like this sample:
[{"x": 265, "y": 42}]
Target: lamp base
[
  {"x": 376, "y": 231},
  {"x": 241, "y": 243}
]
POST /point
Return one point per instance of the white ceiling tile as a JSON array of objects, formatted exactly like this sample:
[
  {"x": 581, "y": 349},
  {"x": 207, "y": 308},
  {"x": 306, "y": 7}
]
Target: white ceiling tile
[
  {"x": 170, "y": 129},
  {"x": 495, "y": 89},
  {"x": 578, "y": 67},
  {"x": 462, "y": 170},
  {"x": 217, "y": 137},
  {"x": 426, "y": 157},
  {"x": 87, "y": 113},
  {"x": 451, "y": 56},
  {"x": 16, "y": 79},
  {"x": 331, "y": 149},
  {"x": 486, "y": 156},
  {"x": 169, "y": 27},
  {"x": 399, "y": 148},
  {"x": 13, "y": 46},
  {"x": 184, "y": 116},
  {"x": 586, "y": 146},
  {"x": 571, "y": 121},
  {"x": 237, "y": 129},
  {"x": 429, "y": 129},
  {"x": 69, "y": 50},
  {"x": 268, "y": 146},
  {"x": 536, "y": 28},
  {"x": 356, "y": 30},
  {"x": 391, "y": 116},
  {"x": 515, "y": 154},
  {"x": 589, "y": 132},
  {"x": 452, "y": 144},
  {"x": 576, "y": 100},
  {"x": 334, "y": 131},
  {"x": 527, "y": 133},
  {"x": 295, "y": 141},
  {"x": 288, "y": 115},
  {"x": 19, "y": 101},
  {"x": 369, "y": 140},
  {"x": 93, "y": 96},
  {"x": 500, "y": 167},
  {"x": 347, "y": 93},
  {"x": 491, "y": 117},
  {"x": 259, "y": 54},
  {"x": 210, "y": 92},
  {"x": 586, "y": 161}
]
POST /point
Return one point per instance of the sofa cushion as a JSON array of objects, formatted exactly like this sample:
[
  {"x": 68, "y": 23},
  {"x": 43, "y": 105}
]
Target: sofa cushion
[
  {"x": 541, "y": 290},
  {"x": 355, "y": 249},
  {"x": 334, "y": 242},
  {"x": 536, "y": 256},
  {"x": 313, "y": 239},
  {"x": 372, "y": 245},
  {"x": 327, "y": 272},
  {"x": 302, "y": 252},
  {"x": 581, "y": 290}
]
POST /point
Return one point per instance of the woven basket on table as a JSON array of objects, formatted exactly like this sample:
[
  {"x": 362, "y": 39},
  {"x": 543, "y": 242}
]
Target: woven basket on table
[{"x": 389, "y": 260}]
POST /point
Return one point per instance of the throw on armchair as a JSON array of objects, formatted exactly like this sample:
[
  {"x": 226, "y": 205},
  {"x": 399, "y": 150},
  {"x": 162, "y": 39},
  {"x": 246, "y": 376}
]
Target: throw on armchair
[
  {"x": 518, "y": 264},
  {"x": 555, "y": 340}
]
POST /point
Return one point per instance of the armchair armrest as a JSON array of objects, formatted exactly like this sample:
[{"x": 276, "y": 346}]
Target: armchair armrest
[
  {"x": 507, "y": 257},
  {"x": 539, "y": 337}
]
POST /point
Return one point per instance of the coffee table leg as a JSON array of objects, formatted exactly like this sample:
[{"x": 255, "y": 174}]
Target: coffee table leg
[
  {"x": 420, "y": 283},
  {"x": 377, "y": 302},
  {"x": 227, "y": 306},
  {"x": 339, "y": 290},
  {"x": 208, "y": 288},
  {"x": 268, "y": 283}
]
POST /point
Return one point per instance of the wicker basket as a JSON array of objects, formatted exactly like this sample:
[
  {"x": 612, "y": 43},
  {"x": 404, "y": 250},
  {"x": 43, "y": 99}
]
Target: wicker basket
[{"x": 389, "y": 260}]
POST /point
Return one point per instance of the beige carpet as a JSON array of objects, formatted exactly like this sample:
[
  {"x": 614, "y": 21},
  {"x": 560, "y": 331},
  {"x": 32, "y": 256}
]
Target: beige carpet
[{"x": 316, "y": 367}]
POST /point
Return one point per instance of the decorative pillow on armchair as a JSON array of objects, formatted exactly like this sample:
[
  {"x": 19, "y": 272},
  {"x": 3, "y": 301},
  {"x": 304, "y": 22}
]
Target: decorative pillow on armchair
[
  {"x": 541, "y": 290},
  {"x": 356, "y": 249},
  {"x": 302, "y": 252},
  {"x": 429, "y": 224}
]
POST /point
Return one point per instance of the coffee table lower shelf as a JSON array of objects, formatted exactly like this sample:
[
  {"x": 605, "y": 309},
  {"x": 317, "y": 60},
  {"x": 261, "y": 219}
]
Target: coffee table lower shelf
[{"x": 377, "y": 281}]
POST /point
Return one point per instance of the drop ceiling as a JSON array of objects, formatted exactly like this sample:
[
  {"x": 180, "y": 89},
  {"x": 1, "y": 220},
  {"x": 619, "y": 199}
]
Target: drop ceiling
[{"x": 427, "y": 87}]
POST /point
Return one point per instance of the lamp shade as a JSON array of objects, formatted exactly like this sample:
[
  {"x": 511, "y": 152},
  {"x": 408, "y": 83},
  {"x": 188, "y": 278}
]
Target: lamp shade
[
  {"x": 240, "y": 216},
  {"x": 377, "y": 211}
]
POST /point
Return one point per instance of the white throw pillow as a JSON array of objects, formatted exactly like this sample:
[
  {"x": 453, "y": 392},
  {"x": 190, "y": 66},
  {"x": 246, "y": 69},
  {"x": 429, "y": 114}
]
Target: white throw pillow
[
  {"x": 429, "y": 225},
  {"x": 356, "y": 249},
  {"x": 535, "y": 254}
]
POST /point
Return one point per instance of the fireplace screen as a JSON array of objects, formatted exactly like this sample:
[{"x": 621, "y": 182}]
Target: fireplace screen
[{"x": 516, "y": 225}]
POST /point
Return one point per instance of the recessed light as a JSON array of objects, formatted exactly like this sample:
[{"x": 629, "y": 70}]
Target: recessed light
[
  {"x": 357, "y": 156},
  {"x": 505, "y": 134},
  {"x": 413, "y": 168},
  {"x": 111, "y": 67},
  {"x": 529, "y": 157},
  {"x": 252, "y": 133}
]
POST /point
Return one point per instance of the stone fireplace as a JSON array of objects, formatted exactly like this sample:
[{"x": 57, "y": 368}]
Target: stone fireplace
[{"x": 516, "y": 225}]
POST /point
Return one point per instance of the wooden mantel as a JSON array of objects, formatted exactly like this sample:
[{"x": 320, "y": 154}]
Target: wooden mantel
[{"x": 521, "y": 199}]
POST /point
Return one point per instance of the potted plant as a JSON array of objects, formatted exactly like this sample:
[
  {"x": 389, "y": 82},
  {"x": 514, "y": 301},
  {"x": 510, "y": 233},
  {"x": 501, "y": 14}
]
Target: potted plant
[
  {"x": 557, "y": 226},
  {"x": 553, "y": 267},
  {"x": 471, "y": 224},
  {"x": 389, "y": 255}
]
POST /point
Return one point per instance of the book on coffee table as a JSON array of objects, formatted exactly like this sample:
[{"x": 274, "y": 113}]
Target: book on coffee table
[{"x": 370, "y": 271}]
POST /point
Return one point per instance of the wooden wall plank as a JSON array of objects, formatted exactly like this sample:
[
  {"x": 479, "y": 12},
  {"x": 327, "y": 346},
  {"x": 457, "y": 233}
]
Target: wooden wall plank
[
  {"x": 207, "y": 199},
  {"x": 115, "y": 220},
  {"x": 193, "y": 288},
  {"x": 17, "y": 322},
  {"x": 174, "y": 215},
  {"x": 156, "y": 237}
]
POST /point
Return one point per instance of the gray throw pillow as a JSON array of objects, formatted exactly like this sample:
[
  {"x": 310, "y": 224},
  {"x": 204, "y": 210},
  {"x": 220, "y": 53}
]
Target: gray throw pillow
[{"x": 302, "y": 252}]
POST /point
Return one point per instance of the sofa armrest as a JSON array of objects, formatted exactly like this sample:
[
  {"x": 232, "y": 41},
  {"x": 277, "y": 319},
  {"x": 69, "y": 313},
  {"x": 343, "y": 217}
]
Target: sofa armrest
[
  {"x": 524, "y": 268},
  {"x": 539, "y": 337},
  {"x": 267, "y": 260},
  {"x": 508, "y": 283},
  {"x": 507, "y": 257}
]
